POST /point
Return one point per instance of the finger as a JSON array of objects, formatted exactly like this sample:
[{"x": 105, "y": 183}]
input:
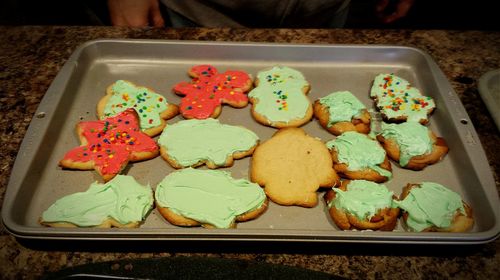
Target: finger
[
  {"x": 402, "y": 10},
  {"x": 156, "y": 17}
]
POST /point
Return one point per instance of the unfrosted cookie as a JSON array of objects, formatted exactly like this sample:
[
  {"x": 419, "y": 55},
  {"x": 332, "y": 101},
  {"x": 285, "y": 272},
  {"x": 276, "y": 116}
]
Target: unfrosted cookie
[
  {"x": 210, "y": 198},
  {"x": 356, "y": 156},
  {"x": 292, "y": 166},
  {"x": 341, "y": 111},
  {"x": 412, "y": 145},
  {"x": 361, "y": 204},
  {"x": 121, "y": 202},
  {"x": 209, "y": 89},
  {"x": 197, "y": 142},
  {"x": 398, "y": 101},
  {"x": 430, "y": 206},
  {"x": 108, "y": 145},
  {"x": 151, "y": 107},
  {"x": 280, "y": 98}
]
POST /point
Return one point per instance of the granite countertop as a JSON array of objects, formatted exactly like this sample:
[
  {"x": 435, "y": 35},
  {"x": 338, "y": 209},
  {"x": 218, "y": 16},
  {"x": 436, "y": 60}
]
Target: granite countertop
[{"x": 31, "y": 56}]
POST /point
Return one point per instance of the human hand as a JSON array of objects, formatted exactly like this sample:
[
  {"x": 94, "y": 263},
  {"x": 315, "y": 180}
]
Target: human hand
[
  {"x": 135, "y": 13},
  {"x": 400, "y": 9}
]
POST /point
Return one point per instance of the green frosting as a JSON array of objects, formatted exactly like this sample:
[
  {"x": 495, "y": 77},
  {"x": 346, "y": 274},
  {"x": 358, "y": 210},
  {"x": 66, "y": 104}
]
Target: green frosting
[
  {"x": 431, "y": 205},
  {"x": 145, "y": 102},
  {"x": 342, "y": 107},
  {"x": 192, "y": 141},
  {"x": 396, "y": 98},
  {"x": 280, "y": 95},
  {"x": 359, "y": 152},
  {"x": 208, "y": 196},
  {"x": 362, "y": 199},
  {"x": 122, "y": 199},
  {"x": 412, "y": 138}
]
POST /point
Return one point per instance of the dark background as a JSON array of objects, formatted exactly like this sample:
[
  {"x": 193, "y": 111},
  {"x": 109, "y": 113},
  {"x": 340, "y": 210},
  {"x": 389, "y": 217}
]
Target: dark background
[{"x": 425, "y": 14}]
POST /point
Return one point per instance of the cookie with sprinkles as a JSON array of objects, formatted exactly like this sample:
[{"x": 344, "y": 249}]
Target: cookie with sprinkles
[
  {"x": 209, "y": 89},
  {"x": 108, "y": 145},
  {"x": 152, "y": 108},
  {"x": 280, "y": 98},
  {"x": 398, "y": 101}
]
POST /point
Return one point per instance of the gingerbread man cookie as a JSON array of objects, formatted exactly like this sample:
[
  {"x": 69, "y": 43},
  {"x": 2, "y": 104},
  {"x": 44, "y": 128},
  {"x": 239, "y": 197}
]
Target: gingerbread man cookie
[
  {"x": 152, "y": 108},
  {"x": 279, "y": 98},
  {"x": 208, "y": 90},
  {"x": 108, "y": 145}
]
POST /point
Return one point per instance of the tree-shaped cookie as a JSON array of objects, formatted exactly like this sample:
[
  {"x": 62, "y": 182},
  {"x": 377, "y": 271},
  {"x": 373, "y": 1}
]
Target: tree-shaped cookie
[
  {"x": 292, "y": 166},
  {"x": 208, "y": 90},
  {"x": 151, "y": 107},
  {"x": 108, "y": 145}
]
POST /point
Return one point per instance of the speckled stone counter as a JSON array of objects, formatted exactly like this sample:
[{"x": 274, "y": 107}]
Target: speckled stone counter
[{"x": 30, "y": 58}]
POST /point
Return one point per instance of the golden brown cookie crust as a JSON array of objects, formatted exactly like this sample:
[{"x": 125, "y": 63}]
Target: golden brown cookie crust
[
  {"x": 292, "y": 166},
  {"x": 361, "y": 124}
]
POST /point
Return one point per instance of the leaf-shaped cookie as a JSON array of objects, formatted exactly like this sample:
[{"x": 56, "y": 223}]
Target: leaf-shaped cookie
[
  {"x": 211, "y": 198},
  {"x": 121, "y": 202},
  {"x": 197, "y": 142}
]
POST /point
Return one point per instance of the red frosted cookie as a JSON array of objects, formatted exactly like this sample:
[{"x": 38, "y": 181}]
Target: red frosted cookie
[
  {"x": 208, "y": 90},
  {"x": 108, "y": 145}
]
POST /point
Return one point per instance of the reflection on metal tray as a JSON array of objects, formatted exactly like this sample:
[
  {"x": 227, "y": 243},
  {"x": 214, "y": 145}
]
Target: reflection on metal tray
[{"x": 37, "y": 181}]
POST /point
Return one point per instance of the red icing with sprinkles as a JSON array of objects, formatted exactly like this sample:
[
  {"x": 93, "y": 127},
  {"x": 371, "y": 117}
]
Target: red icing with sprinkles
[
  {"x": 111, "y": 143},
  {"x": 209, "y": 89}
]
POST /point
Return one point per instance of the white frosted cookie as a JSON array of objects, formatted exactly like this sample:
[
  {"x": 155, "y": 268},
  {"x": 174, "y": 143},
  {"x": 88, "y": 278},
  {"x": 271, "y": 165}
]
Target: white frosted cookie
[{"x": 398, "y": 101}]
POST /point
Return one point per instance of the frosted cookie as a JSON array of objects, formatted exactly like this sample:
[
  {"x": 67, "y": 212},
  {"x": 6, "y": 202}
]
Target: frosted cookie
[
  {"x": 292, "y": 166},
  {"x": 121, "y": 202},
  {"x": 108, "y": 145},
  {"x": 361, "y": 204},
  {"x": 151, "y": 107},
  {"x": 210, "y": 198},
  {"x": 430, "y": 206},
  {"x": 412, "y": 145},
  {"x": 279, "y": 98},
  {"x": 197, "y": 142},
  {"x": 341, "y": 111},
  {"x": 208, "y": 90},
  {"x": 356, "y": 156},
  {"x": 398, "y": 101}
]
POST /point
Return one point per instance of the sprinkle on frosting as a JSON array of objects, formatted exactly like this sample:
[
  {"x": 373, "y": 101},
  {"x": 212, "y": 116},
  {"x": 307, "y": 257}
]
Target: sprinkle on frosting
[
  {"x": 209, "y": 89},
  {"x": 147, "y": 103},
  {"x": 110, "y": 143},
  {"x": 280, "y": 95},
  {"x": 396, "y": 98}
]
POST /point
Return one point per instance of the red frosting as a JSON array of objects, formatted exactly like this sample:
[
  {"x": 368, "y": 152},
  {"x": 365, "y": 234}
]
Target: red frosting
[
  {"x": 209, "y": 89},
  {"x": 111, "y": 143}
]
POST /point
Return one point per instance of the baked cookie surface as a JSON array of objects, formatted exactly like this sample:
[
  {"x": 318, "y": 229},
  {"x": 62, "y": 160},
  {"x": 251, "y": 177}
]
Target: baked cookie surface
[
  {"x": 197, "y": 142},
  {"x": 412, "y": 145},
  {"x": 151, "y": 107},
  {"x": 341, "y": 111},
  {"x": 108, "y": 145},
  {"x": 356, "y": 156},
  {"x": 279, "y": 98},
  {"x": 210, "y": 198},
  {"x": 121, "y": 202},
  {"x": 361, "y": 204},
  {"x": 398, "y": 101},
  {"x": 292, "y": 166},
  {"x": 209, "y": 89},
  {"x": 430, "y": 206}
]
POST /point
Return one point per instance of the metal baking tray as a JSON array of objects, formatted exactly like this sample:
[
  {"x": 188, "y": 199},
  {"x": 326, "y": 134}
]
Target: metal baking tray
[{"x": 37, "y": 180}]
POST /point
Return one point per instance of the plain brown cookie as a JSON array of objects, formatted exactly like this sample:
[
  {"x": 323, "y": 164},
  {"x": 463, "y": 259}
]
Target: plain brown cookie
[{"x": 292, "y": 166}]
